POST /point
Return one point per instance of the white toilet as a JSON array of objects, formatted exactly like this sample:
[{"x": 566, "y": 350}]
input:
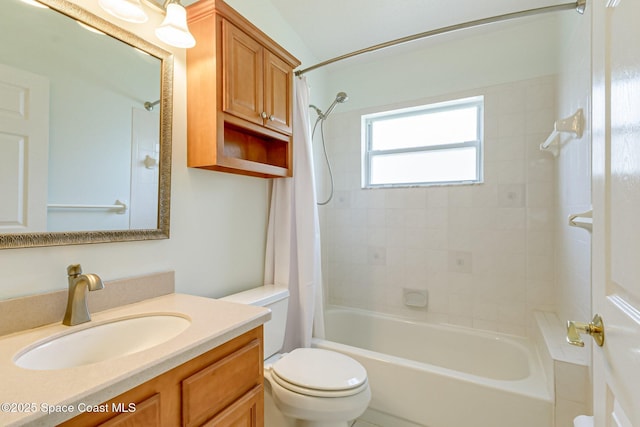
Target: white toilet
[{"x": 310, "y": 387}]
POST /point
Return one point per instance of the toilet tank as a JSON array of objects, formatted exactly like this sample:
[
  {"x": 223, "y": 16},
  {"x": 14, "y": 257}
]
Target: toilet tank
[{"x": 276, "y": 298}]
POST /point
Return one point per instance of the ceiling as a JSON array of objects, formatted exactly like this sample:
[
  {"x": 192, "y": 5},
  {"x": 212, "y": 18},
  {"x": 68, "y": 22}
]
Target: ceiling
[{"x": 330, "y": 28}]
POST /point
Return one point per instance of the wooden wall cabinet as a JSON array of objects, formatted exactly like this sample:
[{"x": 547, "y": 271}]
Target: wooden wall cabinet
[
  {"x": 220, "y": 388},
  {"x": 239, "y": 95}
]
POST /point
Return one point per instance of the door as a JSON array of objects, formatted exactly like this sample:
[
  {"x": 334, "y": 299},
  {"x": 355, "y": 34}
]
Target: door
[
  {"x": 616, "y": 202},
  {"x": 243, "y": 83},
  {"x": 24, "y": 150},
  {"x": 245, "y": 412},
  {"x": 278, "y": 93}
]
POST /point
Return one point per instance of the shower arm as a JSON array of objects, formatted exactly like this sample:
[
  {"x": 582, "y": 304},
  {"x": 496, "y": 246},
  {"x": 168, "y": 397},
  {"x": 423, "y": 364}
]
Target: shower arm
[{"x": 318, "y": 111}]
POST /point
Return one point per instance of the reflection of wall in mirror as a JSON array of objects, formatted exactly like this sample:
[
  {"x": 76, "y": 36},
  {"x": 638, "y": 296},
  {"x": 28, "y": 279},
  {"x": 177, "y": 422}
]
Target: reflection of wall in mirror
[
  {"x": 145, "y": 152},
  {"x": 95, "y": 82}
]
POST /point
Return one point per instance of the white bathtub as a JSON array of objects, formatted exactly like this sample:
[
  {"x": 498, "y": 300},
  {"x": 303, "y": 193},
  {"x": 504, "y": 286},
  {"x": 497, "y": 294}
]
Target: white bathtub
[{"x": 443, "y": 376}]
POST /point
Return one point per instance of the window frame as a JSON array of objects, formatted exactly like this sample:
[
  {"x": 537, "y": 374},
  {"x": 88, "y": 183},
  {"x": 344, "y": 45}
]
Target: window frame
[{"x": 478, "y": 143}]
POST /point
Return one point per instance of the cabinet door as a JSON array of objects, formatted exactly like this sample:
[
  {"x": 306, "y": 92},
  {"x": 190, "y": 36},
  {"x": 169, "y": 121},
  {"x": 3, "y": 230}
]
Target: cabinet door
[
  {"x": 245, "y": 412},
  {"x": 223, "y": 385},
  {"x": 145, "y": 414},
  {"x": 130, "y": 410},
  {"x": 213, "y": 389},
  {"x": 243, "y": 83},
  {"x": 278, "y": 93}
]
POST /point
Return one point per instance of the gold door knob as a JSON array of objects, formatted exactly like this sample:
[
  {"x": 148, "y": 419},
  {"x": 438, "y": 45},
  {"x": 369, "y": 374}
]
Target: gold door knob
[{"x": 595, "y": 329}]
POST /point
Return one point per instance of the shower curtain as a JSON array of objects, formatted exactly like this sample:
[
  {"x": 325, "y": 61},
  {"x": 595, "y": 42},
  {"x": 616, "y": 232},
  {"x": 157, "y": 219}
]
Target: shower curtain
[{"x": 293, "y": 235}]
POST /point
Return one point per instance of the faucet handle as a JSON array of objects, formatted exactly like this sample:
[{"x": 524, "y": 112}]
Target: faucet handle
[{"x": 74, "y": 270}]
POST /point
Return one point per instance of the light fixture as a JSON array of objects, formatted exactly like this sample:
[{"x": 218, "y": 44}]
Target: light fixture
[
  {"x": 174, "y": 30},
  {"x": 127, "y": 10}
]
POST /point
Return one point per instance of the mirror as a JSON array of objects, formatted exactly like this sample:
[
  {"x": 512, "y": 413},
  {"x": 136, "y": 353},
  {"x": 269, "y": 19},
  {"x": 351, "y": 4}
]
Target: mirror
[{"x": 85, "y": 129}]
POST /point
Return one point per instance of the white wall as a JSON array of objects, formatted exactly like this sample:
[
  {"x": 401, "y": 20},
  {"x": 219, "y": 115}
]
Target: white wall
[
  {"x": 218, "y": 220},
  {"x": 573, "y": 165},
  {"x": 378, "y": 241},
  {"x": 574, "y": 173},
  {"x": 478, "y": 57}
]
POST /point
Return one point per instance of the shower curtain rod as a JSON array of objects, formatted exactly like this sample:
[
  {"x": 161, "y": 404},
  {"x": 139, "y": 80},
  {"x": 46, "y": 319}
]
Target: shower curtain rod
[{"x": 579, "y": 6}]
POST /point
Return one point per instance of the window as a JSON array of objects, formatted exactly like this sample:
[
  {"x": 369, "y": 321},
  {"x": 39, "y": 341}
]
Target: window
[{"x": 431, "y": 144}]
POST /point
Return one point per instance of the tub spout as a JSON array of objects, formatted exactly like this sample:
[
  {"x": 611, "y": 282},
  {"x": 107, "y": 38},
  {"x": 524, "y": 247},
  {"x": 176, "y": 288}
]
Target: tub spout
[{"x": 79, "y": 285}]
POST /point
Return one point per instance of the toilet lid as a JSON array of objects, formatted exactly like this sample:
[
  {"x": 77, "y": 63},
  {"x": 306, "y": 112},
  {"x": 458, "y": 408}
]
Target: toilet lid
[{"x": 322, "y": 370}]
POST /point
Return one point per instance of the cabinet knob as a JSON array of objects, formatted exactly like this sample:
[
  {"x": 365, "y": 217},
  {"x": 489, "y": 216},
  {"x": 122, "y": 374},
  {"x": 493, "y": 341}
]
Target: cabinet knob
[
  {"x": 272, "y": 117},
  {"x": 263, "y": 115}
]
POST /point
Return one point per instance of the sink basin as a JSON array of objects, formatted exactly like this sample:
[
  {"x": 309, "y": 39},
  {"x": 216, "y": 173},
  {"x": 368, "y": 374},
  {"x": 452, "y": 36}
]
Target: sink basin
[{"x": 101, "y": 342}]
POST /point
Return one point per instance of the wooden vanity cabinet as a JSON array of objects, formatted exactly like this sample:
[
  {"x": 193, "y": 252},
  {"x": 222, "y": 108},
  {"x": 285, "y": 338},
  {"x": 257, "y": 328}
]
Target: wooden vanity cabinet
[
  {"x": 220, "y": 388},
  {"x": 239, "y": 95}
]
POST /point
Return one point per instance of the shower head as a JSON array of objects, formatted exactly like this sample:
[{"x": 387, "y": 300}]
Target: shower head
[{"x": 340, "y": 97}]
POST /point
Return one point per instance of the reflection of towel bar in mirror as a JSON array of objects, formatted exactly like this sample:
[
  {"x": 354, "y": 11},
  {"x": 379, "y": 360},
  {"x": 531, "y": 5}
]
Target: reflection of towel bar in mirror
[
  {"x": 118, "y": 206},
  {"x": 573, "y": 124}
]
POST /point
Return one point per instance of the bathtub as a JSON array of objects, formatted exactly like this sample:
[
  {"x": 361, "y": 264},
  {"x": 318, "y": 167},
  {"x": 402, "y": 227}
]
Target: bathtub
[{"x": 441, "y": 375}]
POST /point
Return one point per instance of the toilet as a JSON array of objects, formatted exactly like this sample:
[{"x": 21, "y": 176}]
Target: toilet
[{"x": 307, "y": 387}]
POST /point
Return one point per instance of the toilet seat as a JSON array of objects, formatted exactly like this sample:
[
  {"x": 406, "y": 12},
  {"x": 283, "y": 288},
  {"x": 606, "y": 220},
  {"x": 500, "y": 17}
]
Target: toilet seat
[{"x": 320, "y": 373}]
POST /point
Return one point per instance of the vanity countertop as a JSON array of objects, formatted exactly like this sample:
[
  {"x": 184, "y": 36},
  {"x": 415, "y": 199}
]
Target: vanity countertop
[{"x": 26, "y": 395}]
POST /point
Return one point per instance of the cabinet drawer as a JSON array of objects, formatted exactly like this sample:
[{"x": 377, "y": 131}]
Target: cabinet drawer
[{"x": 212, "y": 389}]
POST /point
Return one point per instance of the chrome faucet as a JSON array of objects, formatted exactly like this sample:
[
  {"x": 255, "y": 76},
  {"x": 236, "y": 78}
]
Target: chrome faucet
[{"x": 79, "y": 284}]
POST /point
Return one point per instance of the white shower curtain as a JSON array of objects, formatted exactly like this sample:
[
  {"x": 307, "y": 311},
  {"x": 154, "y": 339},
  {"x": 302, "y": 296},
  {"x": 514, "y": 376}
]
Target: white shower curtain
[{"x": 293, "y": 235}]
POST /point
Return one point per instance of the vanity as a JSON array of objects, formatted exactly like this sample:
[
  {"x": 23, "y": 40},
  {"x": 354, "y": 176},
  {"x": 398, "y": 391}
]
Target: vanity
[{"x": 210, "y": 373}]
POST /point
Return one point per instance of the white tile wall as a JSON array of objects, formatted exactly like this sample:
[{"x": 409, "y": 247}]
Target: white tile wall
[
  {"x": 484, "y": 252},
  {"x": 573, "y": 246},
  {"x": 574, "y": 177},
  {"x": 566, "y": 367}
]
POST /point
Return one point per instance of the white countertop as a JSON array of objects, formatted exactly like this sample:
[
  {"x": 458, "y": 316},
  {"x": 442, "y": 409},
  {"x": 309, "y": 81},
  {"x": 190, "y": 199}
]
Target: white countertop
[{"x": 213, "y": 322}]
